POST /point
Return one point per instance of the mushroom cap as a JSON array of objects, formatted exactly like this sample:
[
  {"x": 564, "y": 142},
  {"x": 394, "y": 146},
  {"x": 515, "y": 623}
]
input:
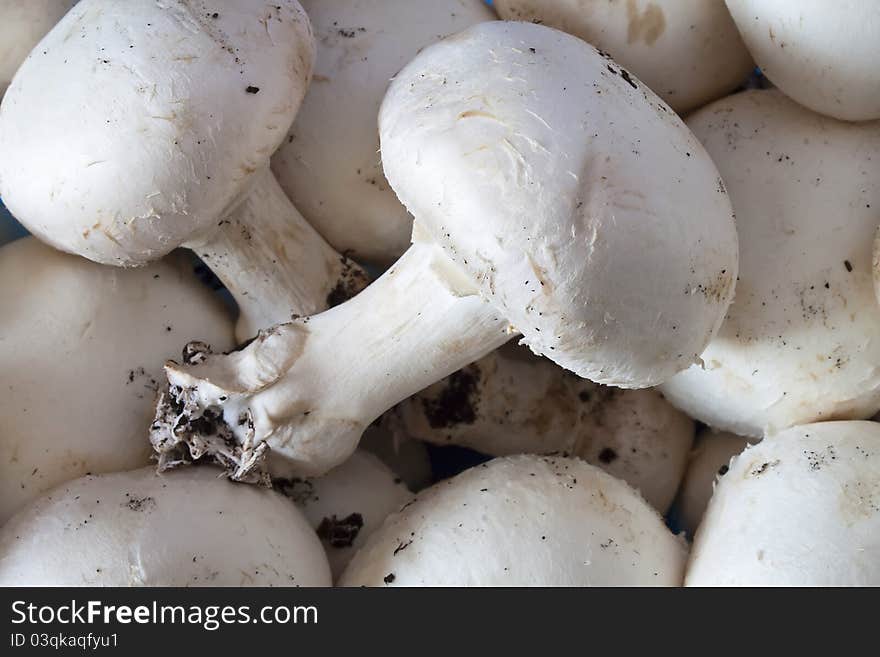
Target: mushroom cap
[
  {"x": 185, "y": 528},
  {"x": 522, "y": 521},
  {"x": 136, "y": 125},
  {"x": 22, "y": 24},
  {"x": 512, "y": 402},
  {"x": 877, "y": 264},
  {"x": 330, "y": 165},
  {"x": 800, "y": 341},
  {"x": 583, "y": 207},
  {"x": 799, "y": 509},
  {"x": 689, "y": 53},
  {"x": 709, "y": 460},
  {"x": 82, "y": 348},
  {"x": 348, "y": 504},
  {"x": 822, "y": 54}
]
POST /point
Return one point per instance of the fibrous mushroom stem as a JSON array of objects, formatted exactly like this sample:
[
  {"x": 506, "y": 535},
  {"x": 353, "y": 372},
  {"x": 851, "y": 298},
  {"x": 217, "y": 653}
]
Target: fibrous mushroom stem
[
  {"x": 274, "y": 263},
  {"x": 295, "y": 401}
]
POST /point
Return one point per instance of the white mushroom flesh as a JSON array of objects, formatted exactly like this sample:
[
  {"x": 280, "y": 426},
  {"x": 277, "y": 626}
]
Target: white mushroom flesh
[
  {"x": 81, "y": 353},
  {"x": 605, "y": 237},
  {"x": 799, "y": 509},
  {"x": 523, "y": 521},
  {"x": 799, "y": 343},
  {"x": 140, "y": 528}
]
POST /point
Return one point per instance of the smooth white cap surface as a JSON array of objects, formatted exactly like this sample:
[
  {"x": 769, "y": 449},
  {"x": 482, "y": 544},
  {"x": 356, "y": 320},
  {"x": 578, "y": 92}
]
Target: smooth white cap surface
[
  {"x": 135, "y": 125},
  {"x": 586, "y": 211},
  {"x": 688, "y": 51},
  {"x": 799, "y": 343},
  {"x": 822, "y": 54},
  {"x": 801, "y": 508},
  {"x": 81, "y": 353},
  {"x": 330, "y": 165},
  {"x": 187, "y": 528},
  {"x": 523, "y": 521}
]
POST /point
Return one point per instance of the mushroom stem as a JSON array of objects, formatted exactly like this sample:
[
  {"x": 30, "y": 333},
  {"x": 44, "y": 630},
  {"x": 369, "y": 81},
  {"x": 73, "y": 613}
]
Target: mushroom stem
[
  {"x": 275, "y": 265},
  {"x": 303, "y": 392}
]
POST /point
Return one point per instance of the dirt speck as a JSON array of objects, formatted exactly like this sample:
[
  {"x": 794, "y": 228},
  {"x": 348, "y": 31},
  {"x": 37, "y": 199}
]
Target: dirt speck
[{"x": 341, "y": 532}]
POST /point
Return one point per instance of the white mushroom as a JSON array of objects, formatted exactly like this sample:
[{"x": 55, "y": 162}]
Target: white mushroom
[
  {"x": 22, "y": 24},
  {"x": 330, "y": 165},
  {"x": 144, "y": 529},
  {"x": 709, "y": 461},
  {"x": 552, "y": 193},
  {"x": 689, "y": 52},
  {"x": 800, "y": 341},
  {"x": 822, "y": 54},
  {"x": 799, "y": 509},
  {"x": 81, "y": 352},
  {"x": 523, "y": 521},
  {"x": 141, "y": 126},
  {"x": 876, "y": 261},
  {"x": 509, "y": 404},
  {"x": 347, "y": 504},
  {"x": 407, "y": 458}
]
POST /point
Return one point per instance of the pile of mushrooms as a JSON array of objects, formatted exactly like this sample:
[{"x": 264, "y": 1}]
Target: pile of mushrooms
[{"x": 395, "y": 293}]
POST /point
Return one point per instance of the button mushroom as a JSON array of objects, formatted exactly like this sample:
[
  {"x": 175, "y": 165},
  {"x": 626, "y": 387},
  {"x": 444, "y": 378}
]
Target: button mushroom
[
  {"x": 523, "y": 521},
  {"x": 330, "y": 165},
  {"x": 153, "y": 129},
  {"x": 689, "y": 53},
  {"x": 81, "y": 347},
  {"x": 347, "y": 504},
  {"x": 143, "y": 529},
  {"x": 709, "y": 461},
  {"x": 800, "y": 509},
  {"x": 822, "y": 54},
  {"x": 876, "y": 262},
  {"x": 552, "y": 193},
  {"x": 22, "y": 24},
  {"x": 509, "y": 404},
  {"x": 799, "y": 342}
]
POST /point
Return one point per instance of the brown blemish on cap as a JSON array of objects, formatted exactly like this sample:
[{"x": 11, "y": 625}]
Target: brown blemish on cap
[{"x": 647, "y": 25}]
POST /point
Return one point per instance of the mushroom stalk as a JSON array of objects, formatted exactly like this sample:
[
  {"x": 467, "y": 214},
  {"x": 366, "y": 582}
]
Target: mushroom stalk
[
  {"x": 275, "y": 265},
  {"x": 306, "y": 390},
  {"x": 198, "y": 130}
]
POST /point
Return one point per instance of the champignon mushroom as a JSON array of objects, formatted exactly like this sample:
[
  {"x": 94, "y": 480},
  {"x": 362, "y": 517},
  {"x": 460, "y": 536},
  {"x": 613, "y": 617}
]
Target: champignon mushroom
[
  {"x": 153, "y": 129},
  {"x": 822, "y": 54},
  {"x": 799, "y": 342},
  {"x": 552, "y": 193},
  {"x": 81, "y": 347},
  {"x": 799, "y": 509},
  {"x": 876, "y": 261},
  {"x": 689, "y": 53},
  {"x": 330, "y": 165},
  {"x": 140, "y": 528},
  {"x": 347, "y": 504},
  {"x": 22, "y": 24},
  {"x": 507, "y": 404},
  {"x": 523, "y": 521},
  {"x": 709, "y": 461}
]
